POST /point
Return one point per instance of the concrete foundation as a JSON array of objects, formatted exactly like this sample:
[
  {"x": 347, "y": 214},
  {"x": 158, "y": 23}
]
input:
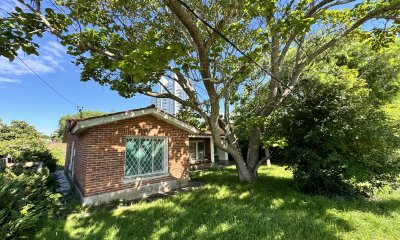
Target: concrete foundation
[{"x": 133, "y": 193}]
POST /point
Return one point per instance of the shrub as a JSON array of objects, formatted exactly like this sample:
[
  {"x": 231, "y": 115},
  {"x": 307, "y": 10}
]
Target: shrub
[
  {"x": 25, "y": 201},
  {"x": 43, "y": 155},
  {"x": 338, "y": 143},
  {"x": 25, "y": 143},
  {"x": 58, "y": 150},
  {"x": 18, "y": 137}
]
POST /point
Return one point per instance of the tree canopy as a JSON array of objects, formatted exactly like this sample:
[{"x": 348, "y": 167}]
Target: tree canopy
[
  {"x": 18, "y": 137},
  {"x": 59, "y": 133},
  {"x": 215, "y": 50}
]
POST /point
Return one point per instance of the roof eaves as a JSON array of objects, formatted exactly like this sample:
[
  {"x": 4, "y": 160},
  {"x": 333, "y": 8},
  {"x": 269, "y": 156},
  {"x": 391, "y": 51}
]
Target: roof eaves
[
  {"x": 97, "y": 121},
  {"x": 174, "y": 121},
  {"x": 83, "y": 124}
]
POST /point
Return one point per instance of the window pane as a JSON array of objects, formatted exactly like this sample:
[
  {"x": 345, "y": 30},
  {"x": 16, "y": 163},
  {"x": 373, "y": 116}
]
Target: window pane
[
  {"x": 201, "y": 150},
  {"x": 146, "y": 156},
  {"x": 132, "y": 157},
  {"x": 192, "y": 149},
  {"x": 159, "y": 155}
]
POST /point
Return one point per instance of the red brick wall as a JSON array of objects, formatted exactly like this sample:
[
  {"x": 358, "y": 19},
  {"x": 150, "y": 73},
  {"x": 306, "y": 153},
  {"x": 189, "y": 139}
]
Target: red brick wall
[
  {"x": 102, "y": 149},
  {"x": 80, "y": 143}
]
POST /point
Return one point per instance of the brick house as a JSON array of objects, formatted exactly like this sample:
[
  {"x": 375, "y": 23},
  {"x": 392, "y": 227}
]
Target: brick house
[{"x": 131, "y": 154}]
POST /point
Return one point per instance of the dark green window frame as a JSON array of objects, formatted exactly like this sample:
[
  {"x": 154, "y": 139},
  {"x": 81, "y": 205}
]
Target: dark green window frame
[{"x": 146, "y": 156}]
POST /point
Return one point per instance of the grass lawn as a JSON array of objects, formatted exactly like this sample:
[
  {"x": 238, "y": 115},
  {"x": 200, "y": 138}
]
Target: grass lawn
[{"x": 225, "y": 209}]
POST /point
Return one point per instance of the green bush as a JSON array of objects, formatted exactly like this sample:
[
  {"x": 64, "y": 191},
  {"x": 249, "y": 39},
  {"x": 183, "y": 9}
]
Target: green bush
[
  {"x": 43, "y": 155},
  {"x": 19, "y": 136},
  {"x": 58, "y": 152},
  {"x": 25, "y": 201},
  {"x": 338, "y": 143},
  {"x": 25, "y": 143}
]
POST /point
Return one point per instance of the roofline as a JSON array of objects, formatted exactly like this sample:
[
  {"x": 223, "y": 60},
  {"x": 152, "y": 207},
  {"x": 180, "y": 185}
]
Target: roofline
[
  {"x": 203, "y": 136},
  {"x": 199, "y": 136},
  {"x": 84, "y": 124}
]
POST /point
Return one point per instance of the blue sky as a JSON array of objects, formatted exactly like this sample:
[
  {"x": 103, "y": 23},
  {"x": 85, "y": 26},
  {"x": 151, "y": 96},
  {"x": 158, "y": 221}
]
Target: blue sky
[{"x": 24, "y": 97}]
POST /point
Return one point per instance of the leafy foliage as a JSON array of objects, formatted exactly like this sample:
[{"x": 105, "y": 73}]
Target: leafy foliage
[
  {"x": 58, "y": 150},
  {"x": 43, "y": 155},
  {"x": 25, "y": 201},
  {"x": 379, "y": 68},
  {"x": 338, "y": 143},
  {"x": 84, "y": 114},
  {"x": 18, "y": 137},
  {"x": 24, "y": 143},
  {"x": 190, "y": 117}
]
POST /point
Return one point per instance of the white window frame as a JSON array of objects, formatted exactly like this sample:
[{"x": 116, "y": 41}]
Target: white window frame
[
  {"x": 153, "y": 174},
  {"x": 197, "y": 150},
  {"x": 72, "y": 158}
]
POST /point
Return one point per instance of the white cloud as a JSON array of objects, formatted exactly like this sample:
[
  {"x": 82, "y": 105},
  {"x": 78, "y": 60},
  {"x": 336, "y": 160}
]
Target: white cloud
[
  {"x": 55, "y": 48},
  {"x": 51, "y": 58},
  {"x": 9, "y": 80}
]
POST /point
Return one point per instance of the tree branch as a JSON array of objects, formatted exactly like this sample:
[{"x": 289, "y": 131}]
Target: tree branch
[
  {"x": 58, "y": 34},
  {"x": 372, "y": 14}
]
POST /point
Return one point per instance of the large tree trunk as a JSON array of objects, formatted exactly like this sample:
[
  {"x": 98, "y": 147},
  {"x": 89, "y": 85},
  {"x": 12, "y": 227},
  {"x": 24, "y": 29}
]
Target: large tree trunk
[
  {"x": 244, "y": 172},
  {"x": 268, "y": 157},
  {"x": 247, "y": 169},
  {"x": 253, "y": 151}
]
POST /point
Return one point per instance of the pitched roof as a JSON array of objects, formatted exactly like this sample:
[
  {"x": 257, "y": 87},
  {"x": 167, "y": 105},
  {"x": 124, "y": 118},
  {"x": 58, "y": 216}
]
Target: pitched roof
[{"x": 77, "y": 126}]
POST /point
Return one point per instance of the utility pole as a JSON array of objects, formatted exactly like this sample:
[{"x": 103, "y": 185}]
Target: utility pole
[{"x": 80, "y": 111}]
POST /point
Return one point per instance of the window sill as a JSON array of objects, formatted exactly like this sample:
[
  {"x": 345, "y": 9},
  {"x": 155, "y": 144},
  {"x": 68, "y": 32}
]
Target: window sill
[
  {"x": 198, "y": 161},
  {"x": 141, "y": 178}
]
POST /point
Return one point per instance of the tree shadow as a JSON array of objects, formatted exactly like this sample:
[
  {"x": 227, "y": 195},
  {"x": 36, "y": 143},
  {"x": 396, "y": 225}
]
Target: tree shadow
[{"x": 272, "y": 208}]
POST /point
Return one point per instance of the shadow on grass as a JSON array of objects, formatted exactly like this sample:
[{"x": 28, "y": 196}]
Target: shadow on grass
[{"x": 223, "y": 209}]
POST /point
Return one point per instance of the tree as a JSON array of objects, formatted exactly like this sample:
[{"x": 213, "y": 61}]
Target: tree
[
  {"x": 19, "y": 136},
  {"x": 337, "y": 143},
  {"x": 335, "y": 134},
  {"x": 59, "y": 133},
  {"x": 24, "y": 143},
  {"x": 190, "y": 117},
  {"x": 378, "y": 68},
  {"x": 129, "y": 45}
]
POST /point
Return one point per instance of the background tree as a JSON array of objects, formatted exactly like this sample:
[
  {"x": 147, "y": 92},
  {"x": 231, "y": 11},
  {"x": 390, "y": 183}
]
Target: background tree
[
  {"x": 192, "y": 118},
  {"x": 129, "y": 45},
  {"x": 59, "y": 133},
  {"x": 24, "y": 143},
  {"x": 19, "y": 136}
]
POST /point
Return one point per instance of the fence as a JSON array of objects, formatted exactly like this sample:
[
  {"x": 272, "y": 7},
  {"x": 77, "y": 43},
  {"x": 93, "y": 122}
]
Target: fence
[{"x": 10, "y": 162}]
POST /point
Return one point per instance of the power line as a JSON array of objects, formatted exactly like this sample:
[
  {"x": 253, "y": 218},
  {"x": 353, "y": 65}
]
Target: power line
[
  {"x": 230, "y": 42},
  {"x": 48, "y": 85}
]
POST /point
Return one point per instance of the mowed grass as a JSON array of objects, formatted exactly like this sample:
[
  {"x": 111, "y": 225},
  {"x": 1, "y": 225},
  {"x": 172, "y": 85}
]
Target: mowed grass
[{"x": 225, "y": 209}]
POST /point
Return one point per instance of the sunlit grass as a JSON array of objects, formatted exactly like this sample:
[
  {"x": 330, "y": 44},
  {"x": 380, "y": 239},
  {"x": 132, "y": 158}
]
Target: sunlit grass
[{"x": 225, "y": 209}]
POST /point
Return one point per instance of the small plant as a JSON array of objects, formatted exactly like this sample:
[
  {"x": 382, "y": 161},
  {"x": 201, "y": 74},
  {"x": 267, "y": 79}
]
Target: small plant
[{"x": 25, "y": 201}]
